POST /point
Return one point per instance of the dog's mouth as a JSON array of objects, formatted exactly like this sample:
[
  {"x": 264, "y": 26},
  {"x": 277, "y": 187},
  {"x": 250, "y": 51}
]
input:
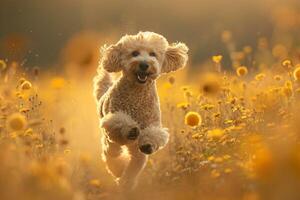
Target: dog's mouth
[{"x": 142, "y": 77}]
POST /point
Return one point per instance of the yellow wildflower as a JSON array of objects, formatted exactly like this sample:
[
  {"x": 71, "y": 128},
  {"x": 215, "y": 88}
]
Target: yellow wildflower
[
  {"x": 21, "y": 80},
  {"x": 242, "y": 71},
  {"x": 16, "y": 122},
  {"x": 287, "y": 63},
  {"x": 196, "y": 136},
  {"x": 192, "y": 119},
  {"x": 183, "y": 105},
  {"x": 217, "y": 59},
  {"x": 215, "y": 133},
  {"x": 26, "y": 85},
  {"x": 28, "y": 132},
  {"x": 260, "y": 76},
  {"x": 288, "y": 84},
  {"x": 297, "y": 74}
]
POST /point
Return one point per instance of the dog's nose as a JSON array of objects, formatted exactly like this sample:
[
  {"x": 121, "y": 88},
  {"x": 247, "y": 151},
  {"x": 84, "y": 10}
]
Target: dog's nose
[
  {"x": 143, "y": 66},
  {"x": 146, "y": 149}
]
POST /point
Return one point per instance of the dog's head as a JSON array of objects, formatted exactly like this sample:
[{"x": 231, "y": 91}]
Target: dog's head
[{"x": 143, "y": 57}]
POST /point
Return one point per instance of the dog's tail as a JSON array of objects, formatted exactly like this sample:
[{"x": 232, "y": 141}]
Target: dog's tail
[{"x": 102, "y": 81}]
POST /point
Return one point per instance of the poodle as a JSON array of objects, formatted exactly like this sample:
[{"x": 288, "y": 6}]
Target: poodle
[{"x": 128, "y": 108}]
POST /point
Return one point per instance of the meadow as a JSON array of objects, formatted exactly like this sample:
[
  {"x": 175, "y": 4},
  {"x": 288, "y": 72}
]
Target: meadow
[
  {"x": 233, "y": 113},
  {"x": 234, "y": 133}
]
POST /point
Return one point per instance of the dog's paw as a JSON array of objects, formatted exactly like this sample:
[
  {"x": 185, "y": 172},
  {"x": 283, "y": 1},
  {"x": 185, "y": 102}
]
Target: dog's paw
[
  {"x": 133, "y": 133},
  {"x": 152, "y": 139},
  {"x": 147, "y": 148},
  {"x": 120, "y": 127}
]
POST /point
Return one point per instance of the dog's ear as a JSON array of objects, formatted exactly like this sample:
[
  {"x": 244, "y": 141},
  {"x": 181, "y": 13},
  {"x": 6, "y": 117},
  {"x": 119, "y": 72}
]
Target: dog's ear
[
  {"x": 175, "y": 57},
  {"x": 111, "y": 58}
]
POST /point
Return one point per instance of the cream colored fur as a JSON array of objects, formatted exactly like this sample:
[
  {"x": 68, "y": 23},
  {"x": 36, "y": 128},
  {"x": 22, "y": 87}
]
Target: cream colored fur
[{"x": 129, "y": 107}]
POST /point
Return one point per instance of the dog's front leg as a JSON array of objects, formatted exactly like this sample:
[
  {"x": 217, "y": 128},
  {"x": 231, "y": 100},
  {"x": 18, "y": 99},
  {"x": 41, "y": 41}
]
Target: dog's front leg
[
  {"x": 152, "y": 139},
  {"x": 120, "y": 127},
  {"x": 128, "y": 180}
]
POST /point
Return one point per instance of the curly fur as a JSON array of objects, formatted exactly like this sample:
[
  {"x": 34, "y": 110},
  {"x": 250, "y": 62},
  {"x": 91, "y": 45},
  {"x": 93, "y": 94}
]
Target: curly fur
[
  {"x": 156, "y": 136},
  {"x": 129, "y": 107},
  {"x": 118, "y": 124}
]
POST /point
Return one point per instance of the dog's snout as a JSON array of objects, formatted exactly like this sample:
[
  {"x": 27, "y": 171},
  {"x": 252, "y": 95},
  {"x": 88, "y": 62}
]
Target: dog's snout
[{"x": 143, "y": 66}]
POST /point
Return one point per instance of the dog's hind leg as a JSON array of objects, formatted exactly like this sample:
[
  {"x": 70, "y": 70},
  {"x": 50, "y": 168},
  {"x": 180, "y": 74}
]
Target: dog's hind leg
[
  {"x": 112, "y": 156},
  {"x": 138, "y": 160}
]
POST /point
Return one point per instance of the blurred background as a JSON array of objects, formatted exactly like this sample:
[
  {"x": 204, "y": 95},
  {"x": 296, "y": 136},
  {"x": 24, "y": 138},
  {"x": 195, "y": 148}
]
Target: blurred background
[
  {"x": 52, "y": 33},
  {"x": 233, "y": 122}
]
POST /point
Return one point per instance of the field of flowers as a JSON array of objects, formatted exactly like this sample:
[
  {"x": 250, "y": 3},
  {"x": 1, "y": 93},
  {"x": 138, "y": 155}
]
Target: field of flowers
[{"x": 234, "y": 132}]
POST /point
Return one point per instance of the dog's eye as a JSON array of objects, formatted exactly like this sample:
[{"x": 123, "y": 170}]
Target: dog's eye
[
  {"x": 135, "y": 53},
  {"x": 153, "y": 54}
]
